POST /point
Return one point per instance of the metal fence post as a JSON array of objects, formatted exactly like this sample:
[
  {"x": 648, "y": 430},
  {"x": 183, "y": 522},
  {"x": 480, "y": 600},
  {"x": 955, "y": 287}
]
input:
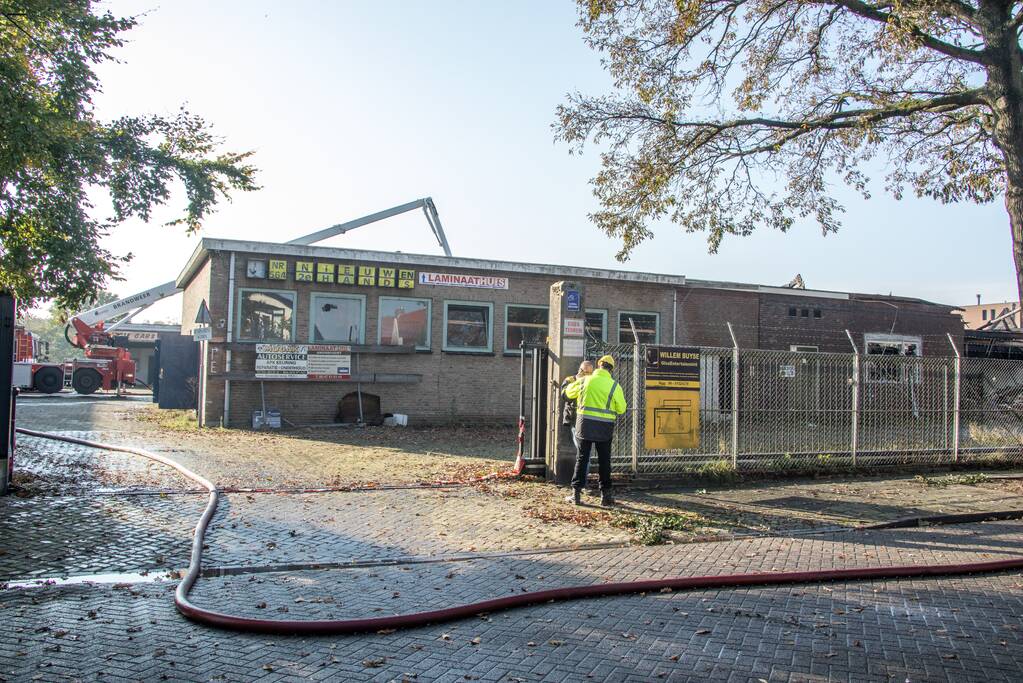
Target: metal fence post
[
  {"x": 635, "y": 399},
  {"x": 956, "y": 396},
  {"x": 855, "y": 431},
  {"x": 735, "y": 398}
]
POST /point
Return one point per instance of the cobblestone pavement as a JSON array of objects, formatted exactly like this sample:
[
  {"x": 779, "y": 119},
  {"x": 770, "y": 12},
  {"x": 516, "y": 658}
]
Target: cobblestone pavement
[
  {"x": 783, "y": 505},
  {"x": 944, "y": 629}
]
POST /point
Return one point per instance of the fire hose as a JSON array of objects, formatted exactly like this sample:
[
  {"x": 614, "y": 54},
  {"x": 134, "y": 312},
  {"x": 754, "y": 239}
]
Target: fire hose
[{"x": 336, "y": 626}]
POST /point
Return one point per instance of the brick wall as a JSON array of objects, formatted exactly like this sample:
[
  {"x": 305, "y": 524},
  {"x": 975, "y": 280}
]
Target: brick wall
[
  {"x": 469, "y": 388},
  {"x": 454, "y": 386},
  {"x": 779, "y": 329},
  {"x": 702, "y": 314}
]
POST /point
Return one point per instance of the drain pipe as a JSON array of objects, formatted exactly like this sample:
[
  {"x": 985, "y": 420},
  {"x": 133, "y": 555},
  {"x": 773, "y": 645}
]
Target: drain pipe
[
  {"x": 408, "y": 620},
  {"x": 225, "y": 421},
  {"x": 674, "y": 316}
]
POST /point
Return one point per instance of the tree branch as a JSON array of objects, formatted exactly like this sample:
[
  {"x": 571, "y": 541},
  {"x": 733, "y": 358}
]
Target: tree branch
[{"x": 867, "y": 11}]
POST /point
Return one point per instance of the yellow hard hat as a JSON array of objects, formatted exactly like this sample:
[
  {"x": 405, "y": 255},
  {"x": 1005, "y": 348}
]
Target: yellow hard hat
[{"x": 606, "y": 359}]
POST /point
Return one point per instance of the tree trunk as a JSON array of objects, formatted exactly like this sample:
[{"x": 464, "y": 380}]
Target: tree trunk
[
  {"x": 1005, "y": 82},
  {"x": 1014, "y": 206}
]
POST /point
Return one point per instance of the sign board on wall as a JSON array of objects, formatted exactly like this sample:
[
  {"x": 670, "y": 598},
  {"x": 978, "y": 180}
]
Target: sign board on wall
[
  {"x": 575, "y": 348},
  {"x": 143, "y": 336},
  {"x": 317, "y": 362},
  {"x": 326, "y": 272},
  {"x": 671, "y": 397},
  {"x": 202, "y": 333},
  {"x": 575, "y": 327},
  {"x": 462, "y": 280},
  {"x": 572, "y": 300}
]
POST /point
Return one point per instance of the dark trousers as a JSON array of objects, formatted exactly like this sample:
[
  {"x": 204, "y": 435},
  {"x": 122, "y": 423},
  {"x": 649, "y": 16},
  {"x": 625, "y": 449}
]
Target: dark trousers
[{"x": 582, "y": 463}]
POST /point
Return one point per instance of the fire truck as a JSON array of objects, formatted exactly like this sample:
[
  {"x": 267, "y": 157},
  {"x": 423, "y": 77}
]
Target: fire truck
[{"x": 107, "y": 365}]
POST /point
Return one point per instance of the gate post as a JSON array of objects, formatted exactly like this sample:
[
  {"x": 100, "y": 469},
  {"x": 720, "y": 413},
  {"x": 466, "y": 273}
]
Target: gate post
[
  {"x": 566, "y": 329},
  {"x": 957, "y": 396},
  {"x": 855, "y": 435},
  {"x": 8, "y": 318},
  {"x": 735, "y": 398},
  {"x": 634, "y": 405}
]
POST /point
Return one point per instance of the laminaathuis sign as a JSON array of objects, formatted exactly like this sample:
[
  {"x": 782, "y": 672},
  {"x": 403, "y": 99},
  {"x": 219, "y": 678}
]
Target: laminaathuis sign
[{"x": 671, "y": 396}]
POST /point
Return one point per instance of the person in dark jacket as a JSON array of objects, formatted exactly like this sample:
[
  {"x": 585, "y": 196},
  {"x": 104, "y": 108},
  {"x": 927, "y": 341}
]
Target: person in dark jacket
[
  {"x": 600, "y": 400},
  {"x": 568, "y": 413}
]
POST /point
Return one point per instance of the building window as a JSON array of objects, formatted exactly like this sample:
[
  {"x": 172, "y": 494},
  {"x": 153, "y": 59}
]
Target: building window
[
  {"x": 266, "y": 315},
  {"x": 804, "y": 313},
  {"x": 337, "y": 318},
  {"x": 524, "y": 323},
  {"x": 816, "y": 312},
  {"x": 804, "y": 348},
  {"x": 596, "y": 325},
  {"x": 892, "y": 345},
  {"x": 984, "y": 314},
  {"x": 647, "y": 327},
  {"x": 792, "y": 311},
  {"x": 404, "y": 321},
  {"x": 468, "y": 326}
]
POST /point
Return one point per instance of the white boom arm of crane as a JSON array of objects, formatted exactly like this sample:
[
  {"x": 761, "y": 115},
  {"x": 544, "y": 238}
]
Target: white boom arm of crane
[
  {"x": 132, "y": 305},
  {"x": 426, "y": 204}
]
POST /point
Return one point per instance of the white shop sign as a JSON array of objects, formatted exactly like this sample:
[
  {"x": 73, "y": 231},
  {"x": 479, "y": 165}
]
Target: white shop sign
[
  {"x": 462, "y": 280},
  {"x": 202, "y": 333},
  {"x": 142, "y": 336},
  {"x": 573, "y": 347},
  {"x": 318, "y": 362},
  {"x": 575, "y": 327}
]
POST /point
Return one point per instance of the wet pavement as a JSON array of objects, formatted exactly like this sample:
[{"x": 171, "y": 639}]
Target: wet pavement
[{"x": 81, "y": 519}]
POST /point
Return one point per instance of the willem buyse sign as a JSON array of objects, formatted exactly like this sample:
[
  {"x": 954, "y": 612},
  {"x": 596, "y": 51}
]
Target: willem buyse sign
[{"x": 672, "y": 398}]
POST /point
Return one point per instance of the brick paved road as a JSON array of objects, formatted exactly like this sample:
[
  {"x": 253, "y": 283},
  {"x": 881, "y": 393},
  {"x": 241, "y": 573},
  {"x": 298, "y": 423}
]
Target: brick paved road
[{"x": 954, "y": 629}]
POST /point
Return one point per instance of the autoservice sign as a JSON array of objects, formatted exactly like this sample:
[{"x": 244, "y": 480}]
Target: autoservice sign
[
  {"x": 317, "y": 362},
  {"x": 463, "y": 280}
]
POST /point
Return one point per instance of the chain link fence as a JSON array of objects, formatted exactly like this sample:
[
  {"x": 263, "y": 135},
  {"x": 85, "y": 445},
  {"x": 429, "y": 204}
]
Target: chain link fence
[{"x": 791, "y": 411}]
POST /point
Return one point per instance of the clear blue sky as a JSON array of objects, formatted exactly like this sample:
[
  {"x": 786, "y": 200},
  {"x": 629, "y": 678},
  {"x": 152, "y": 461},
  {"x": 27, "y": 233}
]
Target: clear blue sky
[{"x": 353, "y": 107}]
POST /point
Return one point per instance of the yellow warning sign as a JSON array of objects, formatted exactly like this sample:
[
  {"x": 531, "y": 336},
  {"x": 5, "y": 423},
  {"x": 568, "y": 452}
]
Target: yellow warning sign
[{"x": 671, "y": 396}]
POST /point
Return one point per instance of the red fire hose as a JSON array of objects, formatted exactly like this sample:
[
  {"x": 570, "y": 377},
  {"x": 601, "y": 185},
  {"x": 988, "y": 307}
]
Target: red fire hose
[{"x": 284, "y": 626}]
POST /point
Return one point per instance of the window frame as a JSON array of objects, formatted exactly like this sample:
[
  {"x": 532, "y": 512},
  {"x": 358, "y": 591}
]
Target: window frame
[
  {"x": 605, "y": 314},
  {"x": 873, "y": 374},
  {"x": 429, "y": 319},
  {"x": 238, "y": 315},
  {"x": 657, "y": 318},
  {"x": 361, "y": 298},
  {"x": 490, "y": 328},
  {"x": 804, "y": 348},
  {"x": 506, "y": 322}
]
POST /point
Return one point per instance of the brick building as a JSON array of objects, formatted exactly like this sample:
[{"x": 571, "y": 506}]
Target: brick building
[{"x": 437, "y": 337}]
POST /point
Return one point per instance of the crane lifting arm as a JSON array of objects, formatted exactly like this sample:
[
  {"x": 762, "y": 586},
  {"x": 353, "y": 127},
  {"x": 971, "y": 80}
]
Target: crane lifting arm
[
  {"x": 426, "y": 204},
  {"x": 88, "y": 325}
]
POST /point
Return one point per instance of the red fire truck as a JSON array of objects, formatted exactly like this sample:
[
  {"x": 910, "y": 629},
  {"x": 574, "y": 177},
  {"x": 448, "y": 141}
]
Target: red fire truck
[{"x": 107, "y": 364}]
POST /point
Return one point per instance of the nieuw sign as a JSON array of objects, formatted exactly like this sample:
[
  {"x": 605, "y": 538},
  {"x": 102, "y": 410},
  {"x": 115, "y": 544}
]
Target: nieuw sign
[{"x": 461, "y": 280}]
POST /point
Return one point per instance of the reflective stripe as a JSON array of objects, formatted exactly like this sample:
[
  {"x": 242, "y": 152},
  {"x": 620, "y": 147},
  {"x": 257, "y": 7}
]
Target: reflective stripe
[
  {"x": 598, "y": 419},
  {"x": 610, "y": 395},
  {"x": 599, "y": 410}
]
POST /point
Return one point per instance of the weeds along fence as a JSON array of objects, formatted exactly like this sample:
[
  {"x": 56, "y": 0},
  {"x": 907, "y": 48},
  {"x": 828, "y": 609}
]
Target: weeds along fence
[{"x": 789, "y": 411}]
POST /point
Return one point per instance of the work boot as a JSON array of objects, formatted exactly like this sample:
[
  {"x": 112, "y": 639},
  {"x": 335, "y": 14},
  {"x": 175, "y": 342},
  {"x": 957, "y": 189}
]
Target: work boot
[
  {"x": 576, "y": 498},
  {"x": 606, "y": 499}
]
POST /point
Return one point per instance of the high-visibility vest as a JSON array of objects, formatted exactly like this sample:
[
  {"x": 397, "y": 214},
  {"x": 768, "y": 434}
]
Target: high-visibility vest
[{"x": 599, "y": 401}]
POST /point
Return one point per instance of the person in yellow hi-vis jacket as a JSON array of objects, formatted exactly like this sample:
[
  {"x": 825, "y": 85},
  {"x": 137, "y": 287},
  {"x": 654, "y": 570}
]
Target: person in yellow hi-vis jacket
[{"x": 599, "y": 401}]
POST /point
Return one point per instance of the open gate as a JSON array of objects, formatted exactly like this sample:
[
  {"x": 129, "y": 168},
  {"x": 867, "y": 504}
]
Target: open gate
[{"x": 533, "y": 401}]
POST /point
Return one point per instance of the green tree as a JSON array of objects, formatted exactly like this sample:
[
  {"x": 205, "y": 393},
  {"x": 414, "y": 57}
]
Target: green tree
[
  {"x": 53, "y": 151},
  {"x": 730, "y": 115}
]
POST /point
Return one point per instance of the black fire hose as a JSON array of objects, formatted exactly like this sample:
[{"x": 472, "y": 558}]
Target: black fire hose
[{"x": 333, "y": 626}]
